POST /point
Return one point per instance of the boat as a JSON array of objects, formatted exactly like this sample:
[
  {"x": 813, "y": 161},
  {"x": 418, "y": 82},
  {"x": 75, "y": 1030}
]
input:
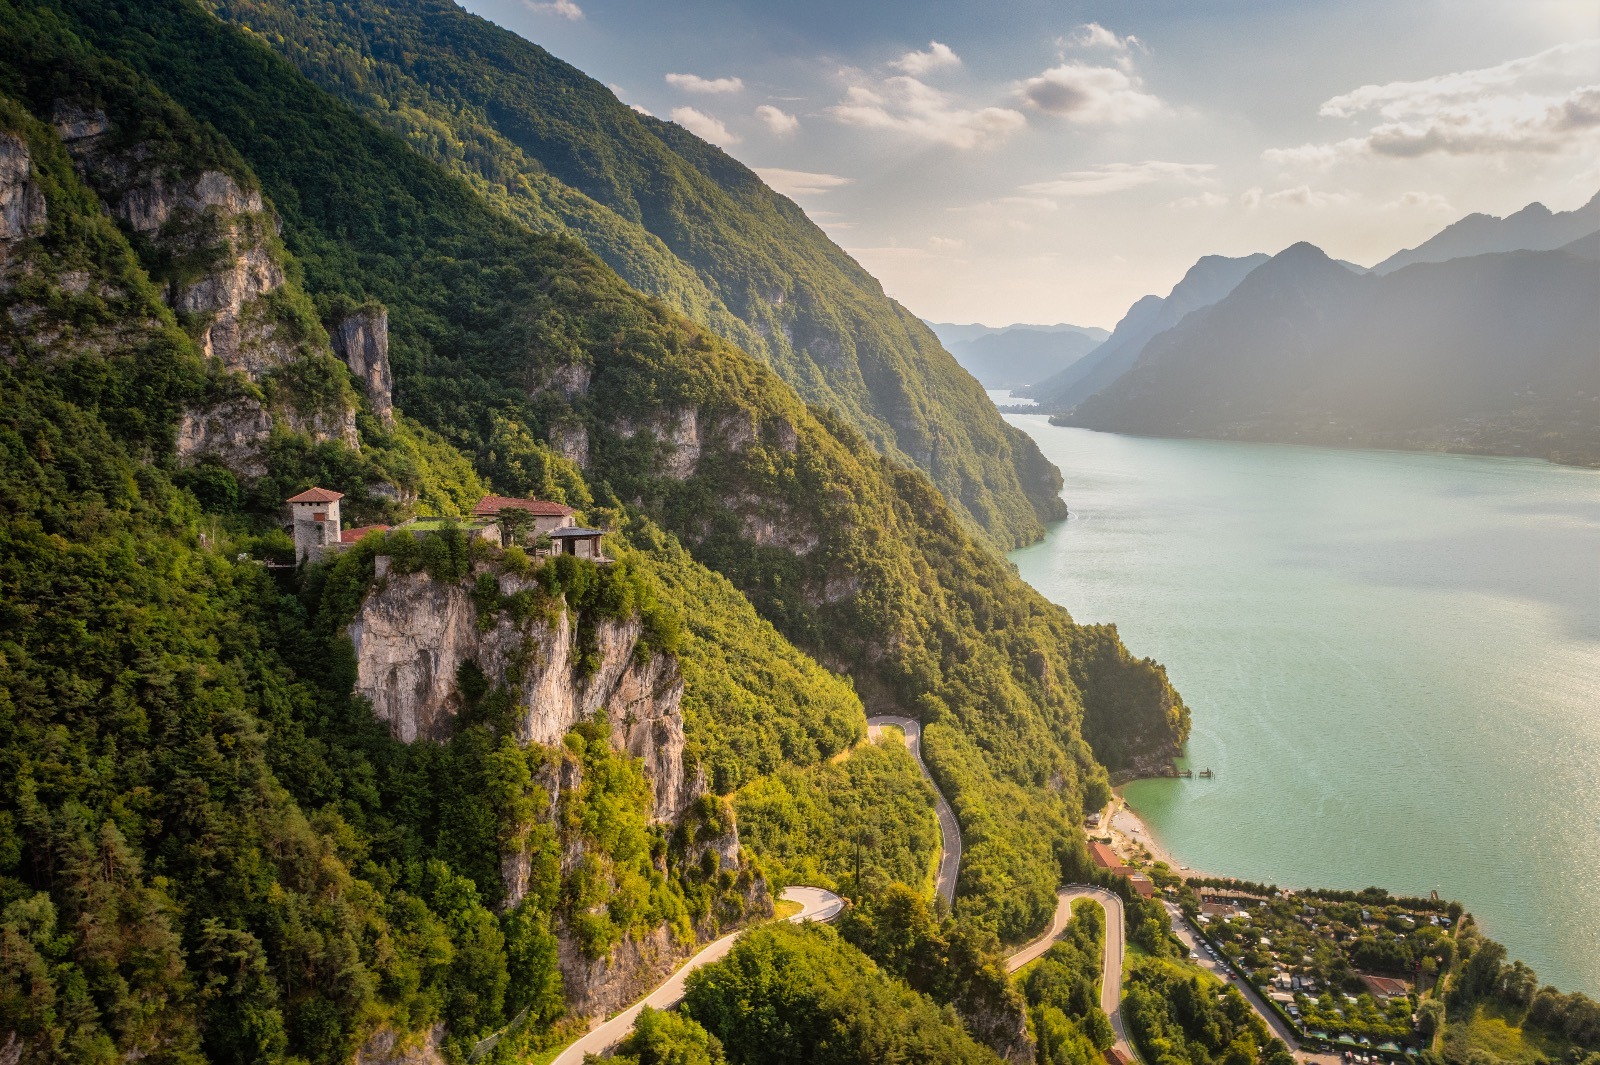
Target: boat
[{"x": 1206, "y": 773}]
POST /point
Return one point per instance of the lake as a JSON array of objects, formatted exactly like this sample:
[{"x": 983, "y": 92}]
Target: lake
[{"x": 1393, "y": 662}]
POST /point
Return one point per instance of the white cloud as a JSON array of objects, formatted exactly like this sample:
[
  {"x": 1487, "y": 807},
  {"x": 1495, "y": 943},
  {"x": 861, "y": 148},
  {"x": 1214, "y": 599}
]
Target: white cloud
[
  {"x": 1094, "y": 35},
  {"x": 1117, "y": 177},
  {"x": 1083, "y": 93},
  {"x": 704, "y": 126},
  {"x": 564, "y": 8},
  {"x": 777, "y": 120},
  {"x": 794, "y": 183},
  {"x": 1421, "y": 201},
  {"x": 1300, "y": 196},
  {"x": 905, "y": 105},
  {"x": 695, "y": 83},
  {"x": 1545, "y": 103},
  {"x": 945, "y": 243},
  {"x": 1206, "y": 200},
  {"x": 934, "y": 57}
]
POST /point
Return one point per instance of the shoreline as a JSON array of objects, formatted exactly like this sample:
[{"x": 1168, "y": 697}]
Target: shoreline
[{"x": 1129, "y": 832}]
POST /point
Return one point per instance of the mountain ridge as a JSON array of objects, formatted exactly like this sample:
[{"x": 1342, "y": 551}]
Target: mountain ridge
[
  {"x": 1533, "y": 228},
  {"x": 1492, "y": 353}
]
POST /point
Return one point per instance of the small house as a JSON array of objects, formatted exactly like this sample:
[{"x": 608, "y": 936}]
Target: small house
[
  {"x": 543, "y": 516},
  {"x": 583, "y": 543}
]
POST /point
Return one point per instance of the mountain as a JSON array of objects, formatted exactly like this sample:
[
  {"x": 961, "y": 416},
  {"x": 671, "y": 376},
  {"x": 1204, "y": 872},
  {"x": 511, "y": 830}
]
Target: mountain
[
  {"x": 1493, "y": 353},
  {"x": 1206, "y": 282},
  {"x": 1017, "y": 355},
  {"x": 679, "y": 219},
  {"x": 1534, "y": 228},
  {"x": 432, "y": 798},
  {"x": 954, "y": 333}
]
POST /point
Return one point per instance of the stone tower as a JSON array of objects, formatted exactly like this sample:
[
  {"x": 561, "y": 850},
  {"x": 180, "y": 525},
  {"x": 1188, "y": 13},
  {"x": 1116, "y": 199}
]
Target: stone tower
[{"x": 316, "y": 522}]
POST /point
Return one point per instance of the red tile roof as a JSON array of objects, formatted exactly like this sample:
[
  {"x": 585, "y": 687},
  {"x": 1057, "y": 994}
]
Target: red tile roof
[
  {"x": 350, "y": 536},
  {"x": 316, "y": 495},
  {"x": 489, "y": 506},
  {"x": 1104, "y": 856}
]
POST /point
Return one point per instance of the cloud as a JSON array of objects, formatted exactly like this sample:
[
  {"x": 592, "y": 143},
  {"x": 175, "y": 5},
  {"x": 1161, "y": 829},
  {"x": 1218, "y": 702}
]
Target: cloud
[
  {"x": 1205, "y": 200},
  {"x": 777, "y": 120},
  {"x": 905, "y": 105},
  {"x": 935, "y": 57},
  {"x": 1116, "y": 177},
  {"x": 794, "y": 183},
  {"x": 1094, "y": 35},
  {"x": 1546, "y": 103},
  {"x": 1094, "y": 94},
  {"x": 564, "y": 8},
  {"x": 704, "y": 126},
  {"x": 1302, "y": 196},
  {"x": 946, "y": 243},
  {"x": 695, "y": 83},
  {"x": 1421, "y": 201}
]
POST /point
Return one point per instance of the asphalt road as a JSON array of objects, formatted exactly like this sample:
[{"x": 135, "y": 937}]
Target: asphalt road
[
  {"x": 815, "y": 905},
  {"x": 1185, "y": 932},
  {"x": 950, "y": 854},
  {"x": 1110, "y": 962}
]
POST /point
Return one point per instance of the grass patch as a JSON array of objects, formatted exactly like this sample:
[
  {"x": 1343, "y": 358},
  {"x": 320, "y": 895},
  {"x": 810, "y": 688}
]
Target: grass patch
[
  {"x": 1494, "y": 1028},
  {"x": 784, "y": 909}
]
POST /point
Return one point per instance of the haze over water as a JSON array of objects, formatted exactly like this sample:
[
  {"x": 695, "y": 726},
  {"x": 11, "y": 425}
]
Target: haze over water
[{"x": 1393, "y": 662}]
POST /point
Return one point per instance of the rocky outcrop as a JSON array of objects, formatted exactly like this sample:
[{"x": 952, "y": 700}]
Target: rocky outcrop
[
  {"x": 231, "y": 295},
  {"x": 22, "y": 207},
  {"x": 678, "y": 433},
  {"x": 388, "y": 1047},
  {"x": 413, "y": 634},
  {"x": 361, "y": 338},
  {"x": 233, "y": 433},
  {"x": 571, "y": 442}
]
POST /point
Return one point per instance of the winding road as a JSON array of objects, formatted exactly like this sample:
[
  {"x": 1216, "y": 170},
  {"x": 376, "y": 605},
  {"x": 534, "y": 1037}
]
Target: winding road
[
  {"x": 815, "y": 905},
  {"x": 944, "y": 882},
  {"x": 819, "y": 905}
]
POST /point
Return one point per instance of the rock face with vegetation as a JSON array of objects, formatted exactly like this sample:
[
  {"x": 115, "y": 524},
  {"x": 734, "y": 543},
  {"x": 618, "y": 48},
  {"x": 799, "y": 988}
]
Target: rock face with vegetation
[
  {"x": 212, "y": 844},
  {"x": 416, "y": 638},
  {"x": 678, "y": 219}
]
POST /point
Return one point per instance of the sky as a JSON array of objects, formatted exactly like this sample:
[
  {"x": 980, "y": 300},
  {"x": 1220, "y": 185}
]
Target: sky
[{"x": 1053, "y": 161}]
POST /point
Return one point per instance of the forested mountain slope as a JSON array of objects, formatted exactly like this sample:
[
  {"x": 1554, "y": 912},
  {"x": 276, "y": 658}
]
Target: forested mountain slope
[
  {"x": 1493, "y": 353},
  {"x": 210, "y": 847},
  {"x": 678, "y": 219}
]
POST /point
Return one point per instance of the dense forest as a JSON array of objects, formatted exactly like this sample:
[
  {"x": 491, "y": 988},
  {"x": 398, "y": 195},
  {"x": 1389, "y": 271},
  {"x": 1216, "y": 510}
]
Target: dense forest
[
  {"x": 212, "y": 849},
  {"x": 676, "y": 218}
]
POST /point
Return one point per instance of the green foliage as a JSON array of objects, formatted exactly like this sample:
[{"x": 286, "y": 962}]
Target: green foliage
[
  {"x": 1181, "y": 1016},
  {"x": 677, "y": 219},
  {"x": 668, "y": 1039},
  {"x": 877, "y": 576},
  {"x": 1062, "y": 990},
  {"x": 955, "y": 963},
  {"x": 871, "y": 811},
  {"x": 798, "y": 993}
]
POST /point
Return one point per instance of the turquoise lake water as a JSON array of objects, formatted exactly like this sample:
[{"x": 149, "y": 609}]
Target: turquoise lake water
[{"x": 1393, "y": 662}]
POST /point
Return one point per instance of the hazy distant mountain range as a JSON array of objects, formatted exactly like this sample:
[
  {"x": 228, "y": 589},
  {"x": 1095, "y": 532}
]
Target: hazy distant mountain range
[
  {"x": 1483, "y": 338},
  {"x": 1017, "y": 355},
  {"x": 1534, "y": 228},
  {"x": 1207, "y": 281},
  {"x": 1494, "y": 353}
]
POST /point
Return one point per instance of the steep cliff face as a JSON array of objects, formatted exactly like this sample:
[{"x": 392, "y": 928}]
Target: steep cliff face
[
  {"x": 22, "y": 207},
  {"x": 361, "y": 339},
  {"x": 211, "y": 243},
  {"x": 413, "y": 634}
]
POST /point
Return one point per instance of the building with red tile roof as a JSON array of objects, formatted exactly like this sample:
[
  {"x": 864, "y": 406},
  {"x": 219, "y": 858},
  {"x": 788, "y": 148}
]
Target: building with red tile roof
[{"x": 316, "y": 495}]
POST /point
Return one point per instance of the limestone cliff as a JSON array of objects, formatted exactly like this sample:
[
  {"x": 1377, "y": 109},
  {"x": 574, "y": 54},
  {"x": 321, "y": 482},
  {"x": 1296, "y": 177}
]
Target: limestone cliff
[
  {"x": 413, "y": 634},
  {"x": 210, "y": 241},
  {"x": 361, "y": 338}
]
